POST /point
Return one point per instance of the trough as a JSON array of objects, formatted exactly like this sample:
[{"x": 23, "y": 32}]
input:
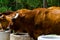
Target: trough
[
  {"x": 4, "y": 35},
  {"x": 20, "y": 36},
  {"x": 49, "y": 37}
]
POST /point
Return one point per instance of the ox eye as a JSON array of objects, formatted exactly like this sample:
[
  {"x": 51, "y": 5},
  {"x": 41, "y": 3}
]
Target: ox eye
[{"x": 1, "y": 16}]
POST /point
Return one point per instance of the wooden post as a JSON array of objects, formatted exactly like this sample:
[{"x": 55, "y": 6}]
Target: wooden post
[{"x": 44, "y": 3}]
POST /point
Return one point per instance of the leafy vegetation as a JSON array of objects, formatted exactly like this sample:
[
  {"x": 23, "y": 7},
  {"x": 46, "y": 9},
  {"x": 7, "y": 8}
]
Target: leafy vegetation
[
  {"x": 29, "y": 4},
  {"x": 4, "y": 9}
]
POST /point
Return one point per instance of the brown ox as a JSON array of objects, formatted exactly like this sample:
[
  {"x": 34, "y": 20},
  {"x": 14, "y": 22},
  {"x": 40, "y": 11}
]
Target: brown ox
[{"x": 27, "y": 21}]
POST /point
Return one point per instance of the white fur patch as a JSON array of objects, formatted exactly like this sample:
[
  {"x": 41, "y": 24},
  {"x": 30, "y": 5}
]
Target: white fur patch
[{"x": 17, "y": 14}]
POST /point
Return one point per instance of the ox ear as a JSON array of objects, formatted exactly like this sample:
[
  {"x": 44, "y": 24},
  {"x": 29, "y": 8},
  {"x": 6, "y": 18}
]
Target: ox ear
[{"x": 16, "y": 16}]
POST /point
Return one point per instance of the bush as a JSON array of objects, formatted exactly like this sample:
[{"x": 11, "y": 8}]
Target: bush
[
  {"x": 29, "y": 4},
  {"x": 4, "y": 9}
]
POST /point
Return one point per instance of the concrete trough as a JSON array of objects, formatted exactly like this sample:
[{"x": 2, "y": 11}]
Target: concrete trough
[
  {"x": 4, "y": 35},
  {"x": 49, "y": 37},
  {"x": 20, "y": 36}
]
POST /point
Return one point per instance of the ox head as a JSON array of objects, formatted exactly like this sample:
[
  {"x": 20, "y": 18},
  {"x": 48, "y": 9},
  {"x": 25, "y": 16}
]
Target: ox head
[
  {"x": 6, "y": 19},
  {"x": 3, "y": 22}
]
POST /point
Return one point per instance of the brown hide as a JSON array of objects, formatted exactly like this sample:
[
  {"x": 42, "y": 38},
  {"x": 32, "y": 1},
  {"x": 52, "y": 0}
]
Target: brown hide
[
  {"x": 39, "y": 19},
  {"x": 53, "y": 17},
  {"x": 39, "y": 15},
  {"x": 50, "y": 24}
]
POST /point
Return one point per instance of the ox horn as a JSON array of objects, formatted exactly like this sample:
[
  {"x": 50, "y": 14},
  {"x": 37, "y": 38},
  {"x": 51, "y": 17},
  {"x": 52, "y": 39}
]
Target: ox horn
[{"x": 17, "y": 14}]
